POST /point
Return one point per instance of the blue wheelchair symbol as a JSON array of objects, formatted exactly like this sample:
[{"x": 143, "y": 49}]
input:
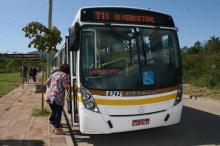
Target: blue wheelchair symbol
[{"x": 148, "y": 77}]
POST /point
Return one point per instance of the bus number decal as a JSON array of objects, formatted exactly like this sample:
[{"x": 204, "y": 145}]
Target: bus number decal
[{"x": 113, "y": 93}]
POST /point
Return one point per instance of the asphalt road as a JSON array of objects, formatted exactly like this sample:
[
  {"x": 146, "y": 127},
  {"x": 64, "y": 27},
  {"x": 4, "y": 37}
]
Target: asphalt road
[{"x": 198, "y": 127}]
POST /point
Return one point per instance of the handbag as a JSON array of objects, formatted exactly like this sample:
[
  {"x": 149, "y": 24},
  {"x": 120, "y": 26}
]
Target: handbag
[{"x": 46, "y": 96}]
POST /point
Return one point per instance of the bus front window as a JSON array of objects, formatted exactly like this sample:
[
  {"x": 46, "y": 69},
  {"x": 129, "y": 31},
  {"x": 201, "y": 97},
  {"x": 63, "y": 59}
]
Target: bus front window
[{"x": 118, "y": 58}]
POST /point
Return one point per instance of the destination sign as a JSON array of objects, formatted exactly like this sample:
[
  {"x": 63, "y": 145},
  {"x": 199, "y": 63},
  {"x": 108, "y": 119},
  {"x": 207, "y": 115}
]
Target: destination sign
[
  {"x": 125, "y": 16},
  {"x": 106, "y": 16}
]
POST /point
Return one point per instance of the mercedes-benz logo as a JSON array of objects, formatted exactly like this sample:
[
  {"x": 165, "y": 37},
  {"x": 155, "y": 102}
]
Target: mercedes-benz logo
[{"x": 141, "y": 109}]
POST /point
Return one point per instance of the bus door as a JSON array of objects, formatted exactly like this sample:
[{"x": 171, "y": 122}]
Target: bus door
[
  {"x": 75, "y": 101},
  {"x": 74, "y": 98}
]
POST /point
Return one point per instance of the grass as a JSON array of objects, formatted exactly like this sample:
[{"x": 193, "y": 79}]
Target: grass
[
  {"x": 8, "y": 81},
  {"x": 38, "y": 112}
]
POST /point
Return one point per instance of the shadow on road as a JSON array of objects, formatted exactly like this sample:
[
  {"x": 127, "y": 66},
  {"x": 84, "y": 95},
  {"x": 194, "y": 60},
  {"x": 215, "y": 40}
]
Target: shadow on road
[
  {"x": 196, "y": 128},
  {"x": 21, "y": 143}
]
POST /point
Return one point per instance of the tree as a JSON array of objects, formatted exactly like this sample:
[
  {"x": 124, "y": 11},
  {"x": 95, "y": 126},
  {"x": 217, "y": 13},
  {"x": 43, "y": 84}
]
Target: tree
[
  {"x": 184, "y": 49},
  {"x": 213, "y": 45},
  {"x": 42, "y": 38},
  {"x": 197, "y": 48}
]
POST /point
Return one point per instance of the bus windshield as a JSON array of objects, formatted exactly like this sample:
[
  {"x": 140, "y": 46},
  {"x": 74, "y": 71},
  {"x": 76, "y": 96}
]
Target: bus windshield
[{"x": 128, "y": 58}]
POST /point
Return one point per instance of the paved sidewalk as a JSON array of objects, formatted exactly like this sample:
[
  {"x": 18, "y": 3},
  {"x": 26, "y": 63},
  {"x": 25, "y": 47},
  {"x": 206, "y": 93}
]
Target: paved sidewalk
[
  {"x": 19, "y": 128},
  {"x": 204, "y": 104}
]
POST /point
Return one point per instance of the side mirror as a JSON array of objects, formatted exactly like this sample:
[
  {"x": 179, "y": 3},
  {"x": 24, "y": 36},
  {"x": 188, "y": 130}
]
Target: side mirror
[
  {"x": 77, "y": 32},
  {"x": 73, "y": 39},
  {"x": 67, "y": 42}
]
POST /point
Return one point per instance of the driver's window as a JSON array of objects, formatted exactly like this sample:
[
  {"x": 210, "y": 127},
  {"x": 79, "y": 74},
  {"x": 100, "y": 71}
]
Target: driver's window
[{"x": 88, "y": 46}]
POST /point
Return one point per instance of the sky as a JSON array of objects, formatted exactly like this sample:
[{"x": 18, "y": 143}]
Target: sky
[{"x": 197, "y": 20}]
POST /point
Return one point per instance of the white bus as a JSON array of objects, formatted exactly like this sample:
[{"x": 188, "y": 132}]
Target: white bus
[{"x": 125, "y": 70}]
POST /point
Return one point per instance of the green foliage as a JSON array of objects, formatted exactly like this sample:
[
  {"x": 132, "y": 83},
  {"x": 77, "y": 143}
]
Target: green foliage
[
  {"x": 197, "y": 48},
  {"x": 201, "y": 64},
  {"x": 38, "y": 112},
  {"x": 9, "y": 81},
  {"x": 42, "y": 38},
  {"x": 212, "y": 45},
  {"x": 9, "y": 65}
]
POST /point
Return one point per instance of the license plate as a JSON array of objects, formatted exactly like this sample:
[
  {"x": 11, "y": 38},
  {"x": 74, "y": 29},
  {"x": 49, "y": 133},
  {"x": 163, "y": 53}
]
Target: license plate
[{"x": 140, "y": 122}]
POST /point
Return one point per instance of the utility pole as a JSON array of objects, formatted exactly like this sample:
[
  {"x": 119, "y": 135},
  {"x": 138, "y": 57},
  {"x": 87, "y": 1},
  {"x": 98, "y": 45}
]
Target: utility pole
[
  {"x": 49, "y": 26},
  {"x": 50, "y": 14},
  {"x": 50, "y": 7}
]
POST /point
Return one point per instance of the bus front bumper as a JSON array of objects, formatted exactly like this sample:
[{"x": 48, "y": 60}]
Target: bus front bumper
[{"x": 96, "y": 123}]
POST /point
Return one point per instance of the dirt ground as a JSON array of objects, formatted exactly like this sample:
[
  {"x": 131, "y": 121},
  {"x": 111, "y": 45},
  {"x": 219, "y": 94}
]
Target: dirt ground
[{"x": 201, "y": 92}]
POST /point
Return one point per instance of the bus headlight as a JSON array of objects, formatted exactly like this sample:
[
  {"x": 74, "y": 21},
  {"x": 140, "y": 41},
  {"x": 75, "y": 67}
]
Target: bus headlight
[
  {"x": 86, "y": 96},
  {"x": 90, "y": 105},
  {"x": 88, "y": 101},
  {"x": 179, "y": 94}
]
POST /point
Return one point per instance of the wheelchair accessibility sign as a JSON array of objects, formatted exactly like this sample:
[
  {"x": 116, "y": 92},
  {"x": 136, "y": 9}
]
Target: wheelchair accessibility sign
[{"x": 148, "y": 77}]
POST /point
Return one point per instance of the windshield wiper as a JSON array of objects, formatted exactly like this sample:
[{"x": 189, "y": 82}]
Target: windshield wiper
[
  {"x": 138, "y": 37},
  {"x": 123, "y": 43},
  {"x": 152, "y": 36},
  {"x": 153, "y": 33},
  {"x": 146, "y": 46},
  {"x": 122, "y": 39}
]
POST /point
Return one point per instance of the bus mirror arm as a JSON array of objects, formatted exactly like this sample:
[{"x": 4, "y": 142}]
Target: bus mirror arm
[
  {"x": 74, "y": 86},
  {"x": 74, "y": 81}
]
